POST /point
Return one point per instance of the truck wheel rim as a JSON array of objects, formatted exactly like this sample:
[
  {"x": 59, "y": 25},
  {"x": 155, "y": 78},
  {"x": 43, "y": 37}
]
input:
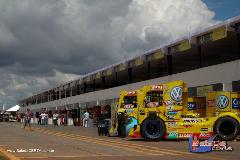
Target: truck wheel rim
[{"x": 153, "y": 128}]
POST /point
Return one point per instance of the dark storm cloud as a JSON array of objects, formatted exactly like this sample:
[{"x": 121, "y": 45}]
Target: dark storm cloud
[
  {"x": 59, "y": 34},
  {"x": 42, "y": 42}
]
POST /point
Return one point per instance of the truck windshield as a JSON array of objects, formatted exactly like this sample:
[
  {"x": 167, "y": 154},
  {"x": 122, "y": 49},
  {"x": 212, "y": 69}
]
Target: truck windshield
[
  {"x": 154, "y": 99},
  {"x": 129, "y": 102}
]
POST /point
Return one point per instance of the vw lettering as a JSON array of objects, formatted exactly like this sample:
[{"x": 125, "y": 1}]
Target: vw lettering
[
  {"x": 222, "y": 101},
  {"x": 176, "y": 94}
]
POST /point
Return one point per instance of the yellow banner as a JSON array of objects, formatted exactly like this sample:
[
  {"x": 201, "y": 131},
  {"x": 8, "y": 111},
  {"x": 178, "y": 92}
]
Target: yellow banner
[
  {"x": 122, "y": 67},
  {"x": 185, "y": 45},
  {"x": 202, "y": 91},
  {"x": 158, "y": 55},
  {"x": 109, "y": 72},
  {"x": 98, "y": 75},
  {"x": 219, "y": 33},
  {"x": 88, "y": 79},
  {"x": 138, "y": 61}
]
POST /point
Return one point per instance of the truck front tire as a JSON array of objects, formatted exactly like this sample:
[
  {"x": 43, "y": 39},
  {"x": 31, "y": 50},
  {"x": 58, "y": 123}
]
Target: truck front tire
[
  {"x": 153, "y": 129},
  {"x": 226, "y": 128}
]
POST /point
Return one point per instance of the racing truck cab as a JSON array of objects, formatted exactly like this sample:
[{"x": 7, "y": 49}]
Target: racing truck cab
[
  {"x": 168, "y": 113},
  {"x": 127, "y": 107}
]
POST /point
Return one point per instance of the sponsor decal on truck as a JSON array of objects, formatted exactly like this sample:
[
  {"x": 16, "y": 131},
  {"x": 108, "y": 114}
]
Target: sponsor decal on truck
[
  {"x": 176, "y": 94},
  {"x": 222, "y": 101},
  {"x": 192, "y": 106},
  {"x": 236, "y": 103},
  {"x": 172, "y": 135},
  {"x": 184, "y": 135},
  {"x": 203, "y": 135},
  {"x": 172, "y": 124},
  {"x": 172, "y": 112}
]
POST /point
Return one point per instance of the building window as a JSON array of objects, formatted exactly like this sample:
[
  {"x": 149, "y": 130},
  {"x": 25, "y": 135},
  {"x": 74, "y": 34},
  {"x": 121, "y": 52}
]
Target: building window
[
  {"x": 220, "y": 51},
  {"x": 158, "y": 66},
  {"x": 236, "y": 86},
  {"x": 201, "y": 91},
  {"x": 186, "y": 60}
]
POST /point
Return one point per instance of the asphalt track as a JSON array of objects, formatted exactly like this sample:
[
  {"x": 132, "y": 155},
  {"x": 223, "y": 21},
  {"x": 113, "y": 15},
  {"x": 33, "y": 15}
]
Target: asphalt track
[{"x": 69, "y": 142}]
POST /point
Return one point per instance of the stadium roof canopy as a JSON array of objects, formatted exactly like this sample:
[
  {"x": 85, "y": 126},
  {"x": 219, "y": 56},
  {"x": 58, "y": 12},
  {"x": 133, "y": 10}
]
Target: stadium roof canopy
[{"x": 180, "y": 44}]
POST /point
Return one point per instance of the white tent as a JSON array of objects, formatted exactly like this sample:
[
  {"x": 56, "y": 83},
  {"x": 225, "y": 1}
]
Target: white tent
[{"x": 13, "y": 109}]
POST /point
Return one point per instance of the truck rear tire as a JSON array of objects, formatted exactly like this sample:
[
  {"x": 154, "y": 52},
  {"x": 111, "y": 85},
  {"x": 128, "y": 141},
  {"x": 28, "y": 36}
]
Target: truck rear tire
[
  {"x": 226, "y": 128},
  {"x": 153, "y": 129}
]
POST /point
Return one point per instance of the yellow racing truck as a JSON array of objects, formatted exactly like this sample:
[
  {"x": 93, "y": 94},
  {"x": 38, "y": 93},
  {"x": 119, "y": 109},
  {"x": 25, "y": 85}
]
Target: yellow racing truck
[
  {"x": 127, "y": 107},
  {"x": 168, "y": 113}
]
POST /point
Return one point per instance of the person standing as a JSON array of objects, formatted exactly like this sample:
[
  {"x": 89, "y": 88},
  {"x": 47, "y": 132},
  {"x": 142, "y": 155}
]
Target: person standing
[
  {"x": 42, "y": 118},
  {"x": 55, "y": 118},
  {"x": 61, "y": 119},
  {"x": 85, "y": 119},
  {"x": 27, "y": 118},
  {"x": 39, "y": 119},
  {"x": 65, "y": 119},
  {"x": 46, "y": 118}
]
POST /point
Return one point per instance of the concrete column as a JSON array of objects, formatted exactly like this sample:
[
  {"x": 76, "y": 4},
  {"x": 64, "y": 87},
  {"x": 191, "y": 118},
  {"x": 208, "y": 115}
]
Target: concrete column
[
  {"x": 149, "y": 70},
  {"x": 200, "y": 55},
  {"x": 227, "y": 86},
  {"x": 84, "y": 87},
  {"x": 238, "y": 44},
  {"x": 169, "y": 60},
  {"x": 116, "y": 78},
  {"x": 39, "y": 99},
  {"x": 94, "y": 85},
  {"x": 78, "y": 92},
  {"x": 129, "y": 75},
  {"x": 103, "y": 82},
  {"x": 71, "y": 92},
  {"x": 59, "y": 94}
]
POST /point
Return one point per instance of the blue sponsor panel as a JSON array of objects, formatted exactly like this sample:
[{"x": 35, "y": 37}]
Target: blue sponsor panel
[
  {"x": 192, "y": 106},
  {"x": 236, "y": 103},
  {"x": 172, "y": 112}
]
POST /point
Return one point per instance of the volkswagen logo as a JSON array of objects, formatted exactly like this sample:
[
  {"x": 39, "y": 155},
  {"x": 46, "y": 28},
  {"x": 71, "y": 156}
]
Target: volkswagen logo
[
  {"x": 176, "y": 94},
  {"x": 222, "y": 102}
]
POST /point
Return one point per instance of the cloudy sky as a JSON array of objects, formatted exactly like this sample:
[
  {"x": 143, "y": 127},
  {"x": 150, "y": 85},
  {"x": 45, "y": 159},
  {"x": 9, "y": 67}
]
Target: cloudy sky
[{"x": 46, "y": 42}]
